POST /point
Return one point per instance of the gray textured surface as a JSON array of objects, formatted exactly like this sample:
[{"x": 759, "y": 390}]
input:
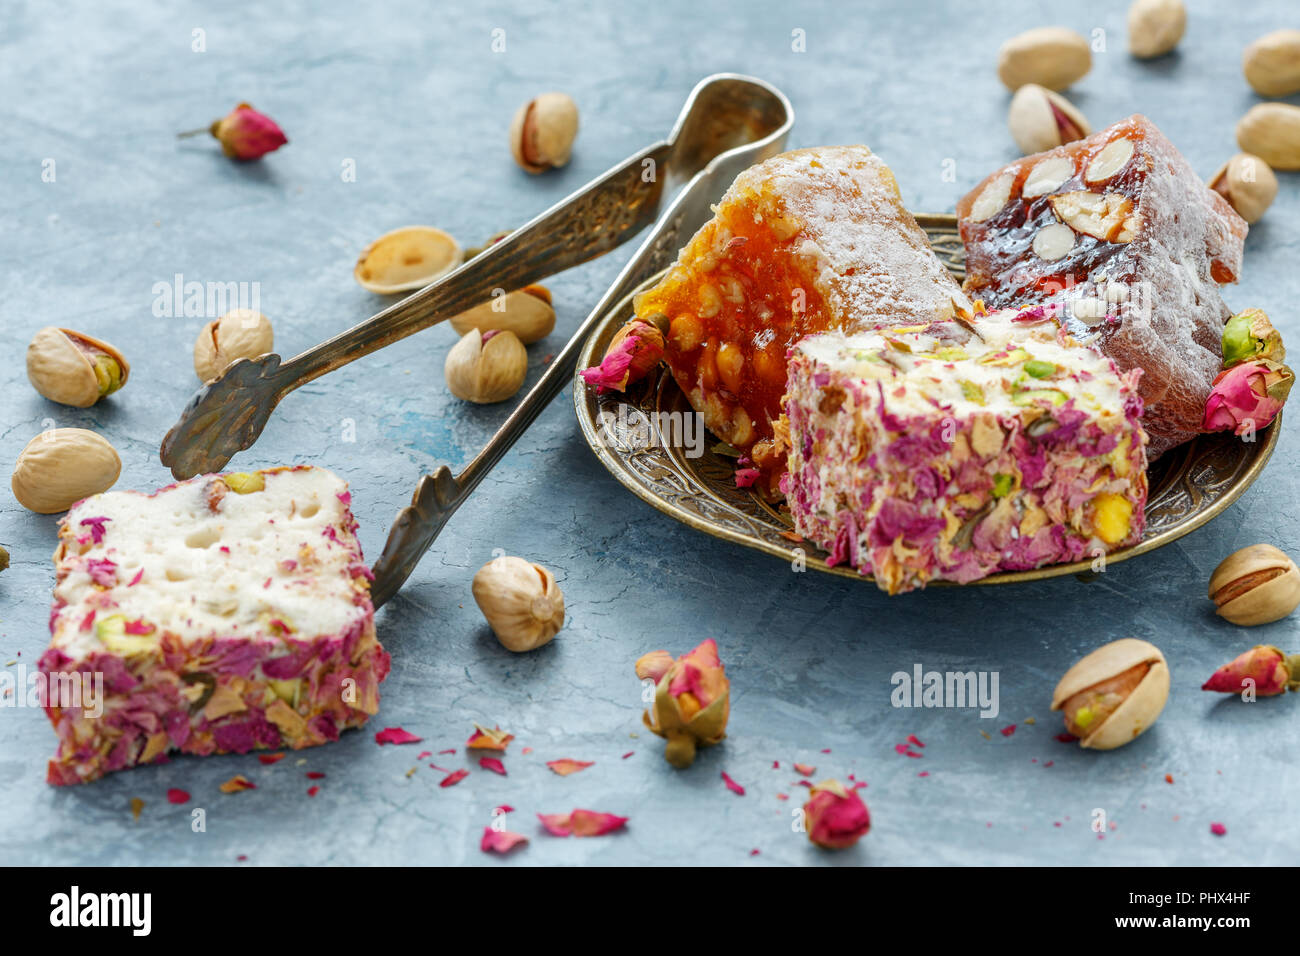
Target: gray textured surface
[{"x": 415, "y": 96}]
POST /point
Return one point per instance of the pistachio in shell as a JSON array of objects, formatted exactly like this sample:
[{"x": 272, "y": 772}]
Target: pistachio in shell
[
  {"x": 61, "y": 466},
  {"x": 407, "y": 258},
  {"x": 526, "y": 312},
  {"x": 1258, "y": 584},
  {"x": 1113, "y": 694},
  {"x": 73, "y": 368}
]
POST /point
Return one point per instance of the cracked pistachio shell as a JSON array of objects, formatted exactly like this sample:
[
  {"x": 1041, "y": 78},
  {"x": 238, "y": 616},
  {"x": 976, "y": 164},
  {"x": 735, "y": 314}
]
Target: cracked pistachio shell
[
  {"x": 60, "y": 467},
  {"x": 1257, "y": 585},
  {"x": 1248, "y": 185},
  {"x": 521, "y": 602},
  {"x": 486, "y": 372},
  {"x": 526, "y": 312},
  {"x": 543, "y": 130},
  {"x": 1032, "y": 119},
  {"x": 1139, "y": 710},
  {"x": 72, "y": 368},
  {"x": 239, "y": 334},
  {"x": 1053, "y": 57},
  {"x": 407, "y": 258}
]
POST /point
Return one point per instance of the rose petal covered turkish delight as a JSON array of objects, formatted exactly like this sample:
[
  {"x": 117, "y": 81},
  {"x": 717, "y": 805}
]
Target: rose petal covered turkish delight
[
  {"x": 923, "y": 453},
  {"x": 1123, "y": 236},
  {"x": 223, "y": 614},
  {"x": 810, "y": 240}
]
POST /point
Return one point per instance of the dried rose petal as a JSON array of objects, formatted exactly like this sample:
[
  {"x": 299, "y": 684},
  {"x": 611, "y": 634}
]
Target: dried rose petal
[
  {"x": 493, "y": 764},
  {"x": 269, "y": 759},
  {"x": 313, "y": 790},
  {"x": 806, "y": 769},
  {"x": 484, "y": 739},
  {"x": 734, "y": 787},
  {"x": 96, "y": 527},
  {"x": 745, "y": 477},
  {"x": 175, "y": 795},
  {"x": 1218, "y": 829},
  {"x": 566, "y": 766},
  {"x": 237, "y": 783},
  {"x": 500, "y": 841},
  {"x": 582, "y": 823},
  {"x": 315, "y": 775},
  {"x": 396, "y": 735},
  {"x": 137, "y": 807},
  {"x": 454, "y": 778}
]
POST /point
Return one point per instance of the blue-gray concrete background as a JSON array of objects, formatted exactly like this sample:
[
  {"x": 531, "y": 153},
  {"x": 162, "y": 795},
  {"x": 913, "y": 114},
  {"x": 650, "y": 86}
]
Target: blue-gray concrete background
[{"x": 415, "y": 95}]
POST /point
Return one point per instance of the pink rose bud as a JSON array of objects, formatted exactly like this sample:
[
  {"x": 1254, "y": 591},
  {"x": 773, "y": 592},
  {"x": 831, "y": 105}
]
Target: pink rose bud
[
  {"x": 635, "y": 351},
  {"x": 835, "y": 816},
  {"x": 1248, "y": 395},
  {"x": 692, "y": 700},
  {"x": 244, "y": 133},
  {"x": 1270, "y": 669}
]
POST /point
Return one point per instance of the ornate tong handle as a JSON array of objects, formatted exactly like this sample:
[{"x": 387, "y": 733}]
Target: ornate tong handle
[
  {"x": 228, "y": 414},
  {"x": 729, "y": 123}
]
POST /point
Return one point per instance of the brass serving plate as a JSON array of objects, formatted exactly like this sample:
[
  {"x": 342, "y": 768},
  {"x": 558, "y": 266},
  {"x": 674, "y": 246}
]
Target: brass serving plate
[{"x": 1189, "y": 485}]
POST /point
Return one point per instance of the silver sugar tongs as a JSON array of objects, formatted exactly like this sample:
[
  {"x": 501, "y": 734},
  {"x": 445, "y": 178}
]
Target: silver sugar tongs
[{"x": 729, "y": 122}]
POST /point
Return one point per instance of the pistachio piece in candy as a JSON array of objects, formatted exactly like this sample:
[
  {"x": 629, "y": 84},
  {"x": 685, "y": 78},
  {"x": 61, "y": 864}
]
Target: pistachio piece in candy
[{"x": 1113, "y": 694}]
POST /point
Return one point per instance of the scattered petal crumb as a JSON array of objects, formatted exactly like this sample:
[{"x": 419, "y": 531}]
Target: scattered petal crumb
[
  {"x": 137, "y": 807},
  {"x": 493, "y": 764},
  {"x": 804, "y": 769},
  {"x": 175, "y": 795},
  {"x": 454, "y": 778},
  {"x": 1169, "y": 778},
  {"x": 241, "y": 858},
  {"x": 924, "y": 773},
  {"x": 423, "y": 753},
  {"x": 783, "y": 796},
  {"x": 1218, "y": 829},
  {"x": 565, "y": 766},
  {"x": 986, "y": 735},
  {"x": 628, "y": 754},
  {"x": 449, "y": 750},
  {"x": 734, "y": 787},
  {"x": 237, "y": 783},
  {"x": 484, "y": 739},
  {"x": 754, "y": 852},
  {"x": 1008, "y": 730},
  {"x": 826, "y": 750},
  {"x": 1031, "y": 721},
  {"x": 315, "y": 775},
  {"x": 395, "y": 735},
  {"x": 526, "y": 750},
  {"x": 411, "y": 773},
  {"x": 914, "y": 741},
  {"x": 500, "y": 841},
  {"x": 1066, "y": 738},
  {"x": 581, "y": 823},
  {"x": 269, "y": 759},
  {"x": 313, "y": 790}
]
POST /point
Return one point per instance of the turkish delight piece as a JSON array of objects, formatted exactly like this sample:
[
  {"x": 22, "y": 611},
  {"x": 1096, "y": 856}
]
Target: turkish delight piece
[
  {"x": 810, "y": 240},
  {"x": 917, "y": 455},
  {"x": 223, "y": 614},
  {"x": 1120, "y": 234}
]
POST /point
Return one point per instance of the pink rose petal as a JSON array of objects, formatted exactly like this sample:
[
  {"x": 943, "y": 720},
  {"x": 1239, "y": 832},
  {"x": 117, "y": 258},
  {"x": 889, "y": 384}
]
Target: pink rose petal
[
  {"x": 566, "y": 766},
  {"x": 396, "y": 735}
]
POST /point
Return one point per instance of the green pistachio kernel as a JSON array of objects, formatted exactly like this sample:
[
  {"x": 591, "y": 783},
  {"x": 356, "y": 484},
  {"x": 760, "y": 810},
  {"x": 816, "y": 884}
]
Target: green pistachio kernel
[
  {"x": 245, "y": 482},
  {"x": 1002, "y": 485},
  {"x": 1036, "y": 368},
  {"x": 972, "y": 392},
  {"x": 1030, "y": 395}
]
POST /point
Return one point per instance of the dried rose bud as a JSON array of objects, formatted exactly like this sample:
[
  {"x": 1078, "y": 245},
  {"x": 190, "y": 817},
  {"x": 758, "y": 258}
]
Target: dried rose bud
[
  {"x": 244, "y": 133},
  {"x": 1248, "y": 395},
  {"x": 835, "y": 816},
  {"x": 1250, "y": 335},
  {"x": 1272, "y": 671},
  {"x": 636, "y": 350},
  {"x": 692, "y": 700}
]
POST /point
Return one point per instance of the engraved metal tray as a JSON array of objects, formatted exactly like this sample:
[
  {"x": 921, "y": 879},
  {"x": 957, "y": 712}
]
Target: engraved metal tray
[{"x": 1189, "y": 485}]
